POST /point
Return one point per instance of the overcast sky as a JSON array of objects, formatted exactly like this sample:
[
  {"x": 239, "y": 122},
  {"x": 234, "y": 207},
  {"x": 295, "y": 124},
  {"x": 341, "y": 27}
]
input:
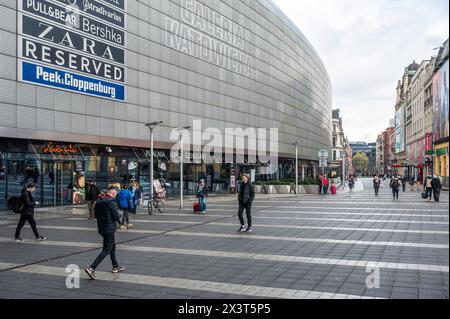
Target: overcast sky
[{"x": 365, "y": 45}]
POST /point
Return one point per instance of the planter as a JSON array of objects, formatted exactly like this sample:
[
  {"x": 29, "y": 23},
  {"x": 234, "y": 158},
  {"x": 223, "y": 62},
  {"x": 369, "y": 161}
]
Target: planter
[
  {"x": 258, "y": 189},
  {"x": 270, "y": 189},
  {"x": 311, "y": 189},
  {"x": 283, "y": 189}
]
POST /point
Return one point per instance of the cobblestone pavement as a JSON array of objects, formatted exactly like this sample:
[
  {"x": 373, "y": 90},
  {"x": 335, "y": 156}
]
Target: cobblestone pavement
[{"x": 306, "y": 247}]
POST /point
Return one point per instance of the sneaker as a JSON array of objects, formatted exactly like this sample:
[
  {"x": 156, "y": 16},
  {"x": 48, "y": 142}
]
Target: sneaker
[
  {"x": 203, "y": 213},
  {"x": 18, "y": 239},
  {"x": 249, "y": 230},
  {"x": 118, "y": 269},
  {"x": 241, "y": 229},
  {"x": 90, "y": 272},
  {"x": 129, "y": 226},
  {"x": 40, "y": 238},
  {"x": 122, "y": 227}
]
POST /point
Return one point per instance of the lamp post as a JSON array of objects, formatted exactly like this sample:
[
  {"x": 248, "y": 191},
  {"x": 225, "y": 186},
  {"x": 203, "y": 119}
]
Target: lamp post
[
  {"x": 296, "y": 144},
  {"x": 180, "y": 132},
  {"x": 151, "y": 127}
]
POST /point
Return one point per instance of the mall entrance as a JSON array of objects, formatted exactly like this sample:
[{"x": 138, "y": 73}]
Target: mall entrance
[{"x": 62, "y": 183}]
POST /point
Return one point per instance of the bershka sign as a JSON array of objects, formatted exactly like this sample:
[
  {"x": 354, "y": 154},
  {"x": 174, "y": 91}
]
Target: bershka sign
[
  {"x": 66, "y": 16},
  {"x": 73, "y": 45},
  {"x": 71, "y": 40}
]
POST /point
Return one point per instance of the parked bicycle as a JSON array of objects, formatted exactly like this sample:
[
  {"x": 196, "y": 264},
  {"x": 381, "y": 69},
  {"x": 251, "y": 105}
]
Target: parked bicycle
[{"x": 156, "y": 205}]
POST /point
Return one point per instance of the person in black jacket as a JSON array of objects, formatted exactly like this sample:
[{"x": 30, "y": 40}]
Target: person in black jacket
[
  {"x": 27, "y": 213},
  {"x": 437, "y": 186},
  {"x": 246, "y": 197},
  {"x": 107, "y": 216},
  {"x": 92, "y": 194}
]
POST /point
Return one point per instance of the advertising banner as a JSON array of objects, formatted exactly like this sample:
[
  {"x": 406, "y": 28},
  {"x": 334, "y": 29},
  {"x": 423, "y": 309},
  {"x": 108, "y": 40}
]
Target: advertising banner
[
  {"x": 400, "y": 130},
  {"x": 73, "y": 45},
  {"x": 440, "y": 93},
  {"x": 51, "y": 77}
]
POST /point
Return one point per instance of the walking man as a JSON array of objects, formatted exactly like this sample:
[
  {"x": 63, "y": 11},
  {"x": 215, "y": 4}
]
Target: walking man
[
  {"x": 404, "y": 184},
  {"x": 395, "y": 185},
  {"x": 107, "y": 216},
  {"x": 125, "y": 202},
  {"x": 428, "y": 186},
  {"x": 376, "y": 184},
  {"x": 92, "y": 194},
  {"x": 437, "y": 186},
  {"x": 27, "y": 213},
  {"x": 246, "y": 197}
]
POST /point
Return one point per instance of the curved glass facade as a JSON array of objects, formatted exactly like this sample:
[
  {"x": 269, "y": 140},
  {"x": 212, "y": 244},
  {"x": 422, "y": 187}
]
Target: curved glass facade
[{"x": 229, "y": 63}]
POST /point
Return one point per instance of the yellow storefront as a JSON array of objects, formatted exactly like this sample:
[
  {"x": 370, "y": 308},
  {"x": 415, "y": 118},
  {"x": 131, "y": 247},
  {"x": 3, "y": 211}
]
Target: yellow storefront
[{"x": 441, "y": 162}]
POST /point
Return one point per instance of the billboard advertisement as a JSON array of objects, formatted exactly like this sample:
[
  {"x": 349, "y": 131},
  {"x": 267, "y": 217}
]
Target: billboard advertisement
[
  {"x": 73, "y": 45},
  {"x": 440, "y": 93},
  {"x": 400, "y": 130}
]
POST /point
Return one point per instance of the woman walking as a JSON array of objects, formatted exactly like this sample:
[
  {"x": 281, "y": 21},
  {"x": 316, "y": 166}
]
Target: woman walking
[
  {"x": 136, "y": 195},
  {"x": 202, "y": 194}
]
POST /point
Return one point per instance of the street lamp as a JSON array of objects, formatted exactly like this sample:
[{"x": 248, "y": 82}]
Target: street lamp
[
  {"x": 296, "y": 144},
  {"x": 151, "y": 127},
  {"x": 180, "y": 132}
]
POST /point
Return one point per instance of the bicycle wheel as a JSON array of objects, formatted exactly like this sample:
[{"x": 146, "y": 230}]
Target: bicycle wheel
[
  {"x": 160, "y": 206},
  {"x": 150, "y": 207}
]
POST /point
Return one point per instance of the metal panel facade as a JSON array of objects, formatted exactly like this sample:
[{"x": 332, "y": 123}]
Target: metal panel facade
[{"x": 230, "y": 63}]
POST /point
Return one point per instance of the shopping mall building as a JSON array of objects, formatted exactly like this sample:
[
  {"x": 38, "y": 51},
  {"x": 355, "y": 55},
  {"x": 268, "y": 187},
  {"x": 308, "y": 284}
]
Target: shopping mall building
[{"x": 79, "y": 80}]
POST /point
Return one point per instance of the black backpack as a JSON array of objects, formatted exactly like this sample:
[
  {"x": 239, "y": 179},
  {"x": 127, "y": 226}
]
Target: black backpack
[
  {"x": 395, "y": 184},
  {"x": 15, "y": 204}
]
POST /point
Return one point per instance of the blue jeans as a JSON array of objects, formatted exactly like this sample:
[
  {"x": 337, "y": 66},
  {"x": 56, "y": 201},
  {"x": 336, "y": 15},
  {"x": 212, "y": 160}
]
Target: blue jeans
[{"x": 202, "y": 202}]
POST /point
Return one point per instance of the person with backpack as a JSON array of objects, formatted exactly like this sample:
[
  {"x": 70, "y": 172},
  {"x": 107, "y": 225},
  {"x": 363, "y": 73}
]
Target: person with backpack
[
  {"x": 125, "y": 203},
  {"x": 376, "y": 185},
  {"x": 395, "y": 185},
  {"x": 27, "y": 213},
  {"x": 245, "y": 198},
  {"x": 428, "y": 186},
  {"x": 107, "y": 217},
  {"x": 202, "y": 194}
]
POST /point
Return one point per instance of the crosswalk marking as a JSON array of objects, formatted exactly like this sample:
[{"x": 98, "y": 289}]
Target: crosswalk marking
[
  {"x": 384, "y": 221},
  {"x": 351, "y": 214},
  {"x": 340, "y": 208},
  {"x": 378, "y": 230},
  {"x": 311, "y": 240},
  {"x": 256, "y": 256},
  {"x": 198, "y": 285}
]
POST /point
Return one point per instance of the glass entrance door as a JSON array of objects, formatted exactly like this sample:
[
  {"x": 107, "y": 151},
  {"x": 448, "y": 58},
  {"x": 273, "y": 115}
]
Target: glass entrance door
[{"x": 57, "y": 183}]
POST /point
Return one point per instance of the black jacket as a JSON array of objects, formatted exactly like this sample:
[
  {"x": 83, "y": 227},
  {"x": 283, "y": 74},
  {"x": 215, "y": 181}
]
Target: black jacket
[
  {"x": 92, "y": 192},
  {"x": 246, "y": 193},
  {"x": 29, "y": 203},
  {"x": 202, "y": 191},
  {"x": 107, "y": 215},
  {"x": 436, "y": 184}
]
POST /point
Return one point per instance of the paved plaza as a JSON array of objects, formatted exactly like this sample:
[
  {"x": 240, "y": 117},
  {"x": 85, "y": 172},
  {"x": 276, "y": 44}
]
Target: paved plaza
[{"x": 306, "y": 247}]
